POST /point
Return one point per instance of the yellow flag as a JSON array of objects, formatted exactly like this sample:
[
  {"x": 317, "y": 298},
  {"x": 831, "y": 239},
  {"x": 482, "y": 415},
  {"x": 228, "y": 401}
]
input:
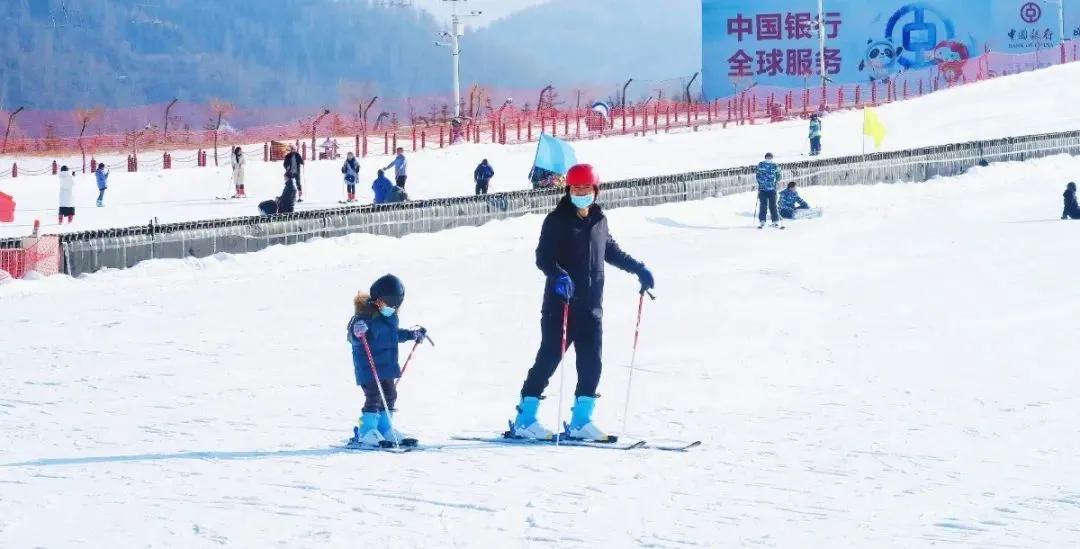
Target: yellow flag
[{"x": 873, "y": 127}]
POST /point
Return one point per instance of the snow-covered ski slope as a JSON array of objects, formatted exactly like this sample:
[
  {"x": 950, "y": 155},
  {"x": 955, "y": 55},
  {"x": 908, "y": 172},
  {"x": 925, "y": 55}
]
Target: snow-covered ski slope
[
  {"x": 899, "y": 373},
  {"x": 1035, "y": 102}
]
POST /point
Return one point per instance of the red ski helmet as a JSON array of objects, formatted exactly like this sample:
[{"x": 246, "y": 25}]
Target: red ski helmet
[{"x": 583, "y": 175}]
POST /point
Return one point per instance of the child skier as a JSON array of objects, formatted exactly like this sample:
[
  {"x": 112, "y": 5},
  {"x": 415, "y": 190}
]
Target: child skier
[
  {"x": 790, "y": 201},
  {"x": 237, "y": 161},
  {"x": 574, "y": 246},
  {"x": 374, "y": 334},
  {"x": 351, "y": 170},
  {"x": 102, "y": 175},
  {"x": 768, "y": 176},
  {"x": 815, "y": 135},
  {"x": 1072, "y": 210},
  {"x": 67, "y": 200}
]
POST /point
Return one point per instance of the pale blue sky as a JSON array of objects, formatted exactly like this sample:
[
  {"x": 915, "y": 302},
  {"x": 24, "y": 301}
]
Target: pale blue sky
[{"x": 492, "y": 9}]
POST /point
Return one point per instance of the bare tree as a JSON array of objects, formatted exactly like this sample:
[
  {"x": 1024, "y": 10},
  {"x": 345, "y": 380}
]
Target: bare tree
[
  {"x": 84, "y": 117},
  {"x": 219, "y": 109}
]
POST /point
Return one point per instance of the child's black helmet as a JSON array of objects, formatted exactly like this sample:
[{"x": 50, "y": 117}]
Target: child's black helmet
[{"x": 389, "y": 289}]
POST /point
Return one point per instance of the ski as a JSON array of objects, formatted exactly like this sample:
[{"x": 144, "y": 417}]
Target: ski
[
  {"x": 674, "y": 447},
  {"x": 551, "y": 442},
  {"x": 388, "y": 449}
]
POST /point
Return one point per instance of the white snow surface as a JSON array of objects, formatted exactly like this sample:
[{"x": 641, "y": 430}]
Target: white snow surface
[
  {"x": 1036, "y": 102},
  {"x": 899, "y": 373}
]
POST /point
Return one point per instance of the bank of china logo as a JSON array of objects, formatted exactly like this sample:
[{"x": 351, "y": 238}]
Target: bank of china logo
[
  {"x": 919, "y": 28},
  {"x": 1031, "y": 12}
]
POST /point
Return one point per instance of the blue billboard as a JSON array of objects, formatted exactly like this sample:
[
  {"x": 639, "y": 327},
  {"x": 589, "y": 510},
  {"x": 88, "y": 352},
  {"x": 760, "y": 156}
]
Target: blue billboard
[{"x": 748, "y": 43}]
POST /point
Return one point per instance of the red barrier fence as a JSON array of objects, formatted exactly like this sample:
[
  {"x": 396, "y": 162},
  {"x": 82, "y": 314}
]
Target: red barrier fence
[{"x": 507, "y": 125}]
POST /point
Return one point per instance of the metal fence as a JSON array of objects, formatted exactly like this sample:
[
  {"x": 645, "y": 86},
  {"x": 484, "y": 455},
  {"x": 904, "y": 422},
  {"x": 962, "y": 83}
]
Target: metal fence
[{"x": 91, "y": 251}]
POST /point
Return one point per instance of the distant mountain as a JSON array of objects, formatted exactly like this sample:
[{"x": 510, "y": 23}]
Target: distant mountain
[
  {"x": 58, "y": 54},
  {"x": 270, "y": 52}
]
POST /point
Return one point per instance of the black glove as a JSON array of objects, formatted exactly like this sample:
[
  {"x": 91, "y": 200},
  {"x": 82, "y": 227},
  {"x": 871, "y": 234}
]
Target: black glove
[
  {"x": 646, "y": 279},
  {"x": 418, "y": 334}
]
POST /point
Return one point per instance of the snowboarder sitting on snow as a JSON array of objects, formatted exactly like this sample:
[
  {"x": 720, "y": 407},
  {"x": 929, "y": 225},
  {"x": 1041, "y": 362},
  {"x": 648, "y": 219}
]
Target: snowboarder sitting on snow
[
  {"x": 351, "y": 169},
  {"x": 386, "y": 192},
  {"x": 790, "y": 201},
  {"x": 282, "y": 204},
  {"x": 102, "y": 175},
  {"x": 374, "y": 334},
  {"x": 1072, "y": 210},
  {"x": 574, "y": 246},
  {"x": 768, "y": 176}
]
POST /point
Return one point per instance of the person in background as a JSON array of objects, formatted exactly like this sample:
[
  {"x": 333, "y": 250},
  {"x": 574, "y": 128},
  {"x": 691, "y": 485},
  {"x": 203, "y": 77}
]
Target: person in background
[
  {"x": 351, "y": 170},
  {"x": 383, "y": 189},
  {"x": 768, "y": 176},
  {"x": 237, "y": 161},
  {"x": 67, "y": 198},
  {"x": 286, "y": 203},
  {"x": 790, "y": 201},
  {"x": 293, "y": 164},
  {"x": 815, "y": 135},
  {"x": 1072, "y": 210},
  {"x": 401, "y": 166},
  {"x": 482, "y": 175},
  {"x": 102, "y": 176}
]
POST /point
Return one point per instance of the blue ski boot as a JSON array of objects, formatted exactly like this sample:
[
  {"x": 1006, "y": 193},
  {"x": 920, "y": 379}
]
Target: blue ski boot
[
  {"x": 367, "y": 434},
  {"x": 525, "y": 425},
  {"x": 393, "y": 435},
  {"x": 581, "y": 426}
]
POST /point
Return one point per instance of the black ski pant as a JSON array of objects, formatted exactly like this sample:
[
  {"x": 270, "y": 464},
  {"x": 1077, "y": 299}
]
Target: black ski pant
[
  {"x": 481, "y": 187},
  {"x": 815, "y": 145},
  {"x": 585, "y": 332},
  {"x": 372, "y": 401},
  {"x": 401, "y": 181},
  {"x": 351, "y": 189},
  {"x": 767, "y": 199},
  {"x": 790, "y": 214}
]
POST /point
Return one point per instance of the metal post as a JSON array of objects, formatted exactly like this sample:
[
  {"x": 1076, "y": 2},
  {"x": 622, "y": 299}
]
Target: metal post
[
  {"x": 821, "y": 45},
  {"x": 455, "y": 55}
]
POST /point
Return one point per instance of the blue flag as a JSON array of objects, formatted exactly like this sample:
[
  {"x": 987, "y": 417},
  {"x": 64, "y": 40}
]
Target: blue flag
[{"x": 554, "y": 155}]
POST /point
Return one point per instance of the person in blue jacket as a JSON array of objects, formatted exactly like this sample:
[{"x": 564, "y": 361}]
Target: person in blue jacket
[
  {"x": 351, "y": 170},
  {"x": 1072, "y": 210},
  {"x": 374, "y": 335},
  {"x": 768, "y": 176},
  {"x": 401, "y": 167},
  {"x": 815, "y": 135},
  {"x": 791, "y": 201},
  {"x": 574, "y": 246},
  {"x": 482, "y": 175},
  {"x": 384, "y": 189},
  {"x": 102, "y": 175}
]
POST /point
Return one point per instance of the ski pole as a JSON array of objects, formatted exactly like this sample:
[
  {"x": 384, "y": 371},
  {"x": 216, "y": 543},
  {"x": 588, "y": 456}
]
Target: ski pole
[
  {"x": 408, "y": 359},
  {"x": 633, "y": 355},
  {"x": 382, "y": 395},
  {"x": 562, "y": 370}
]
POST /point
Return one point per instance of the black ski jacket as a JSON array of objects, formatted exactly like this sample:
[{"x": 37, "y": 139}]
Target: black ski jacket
[{"x": 579, "y": 247}]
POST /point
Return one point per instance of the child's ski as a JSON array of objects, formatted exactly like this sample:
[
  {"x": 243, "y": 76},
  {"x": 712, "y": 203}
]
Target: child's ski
[
  {"x": 675, "y": 447},
  {"x": 551, "y": 442}
]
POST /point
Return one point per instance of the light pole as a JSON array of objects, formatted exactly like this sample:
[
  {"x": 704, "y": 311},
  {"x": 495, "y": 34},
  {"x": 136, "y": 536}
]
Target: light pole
[
  {"x": 1061, "y": 23},
  {"x": 457, "y": 30}
]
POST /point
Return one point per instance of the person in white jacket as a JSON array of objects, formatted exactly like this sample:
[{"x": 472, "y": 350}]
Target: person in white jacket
[
  {"x": 237, "y": 158},
  {"x": 67, "y": 199}
]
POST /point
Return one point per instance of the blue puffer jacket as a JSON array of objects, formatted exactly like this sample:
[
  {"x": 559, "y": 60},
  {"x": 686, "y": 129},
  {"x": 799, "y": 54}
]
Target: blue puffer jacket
[
  {"x": 789, "y": 198},
  {"x": 383, "y": 336},
  {"x": 768, "y": 175},
  {"x": 384, "y": 190},
  {"x": 102, "y": 177}
]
